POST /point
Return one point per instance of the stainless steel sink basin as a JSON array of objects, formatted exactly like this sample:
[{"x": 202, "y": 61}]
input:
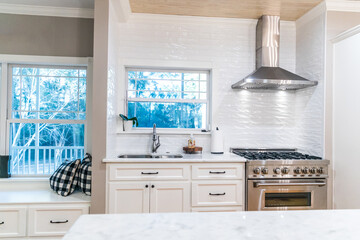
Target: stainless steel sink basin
[
  {"x": 151, "y": 156},
  {"x": 168, "y": 156},
  {"x": 136, "y": 156}
]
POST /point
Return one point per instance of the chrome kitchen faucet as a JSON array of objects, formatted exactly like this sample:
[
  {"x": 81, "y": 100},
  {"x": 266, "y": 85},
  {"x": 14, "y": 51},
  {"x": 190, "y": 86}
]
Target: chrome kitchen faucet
[{"x": 156, "y": 140}]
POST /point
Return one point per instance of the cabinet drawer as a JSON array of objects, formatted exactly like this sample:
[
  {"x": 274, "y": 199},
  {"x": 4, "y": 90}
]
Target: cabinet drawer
[
  {"x": 216, "y": 171},
  {"x": 53, "y": 220},
  {"x": 217, "y": 209},
  {"x": 217, "y": 193},
  {"x": 12, "y": 221},
  {"x": 119, "y": 172}
]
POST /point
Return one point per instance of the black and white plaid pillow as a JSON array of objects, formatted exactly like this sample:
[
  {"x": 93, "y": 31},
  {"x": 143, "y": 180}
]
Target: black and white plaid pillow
[
  {"x": 65, "y": 179},
  {"x": 85, "y": 175}
]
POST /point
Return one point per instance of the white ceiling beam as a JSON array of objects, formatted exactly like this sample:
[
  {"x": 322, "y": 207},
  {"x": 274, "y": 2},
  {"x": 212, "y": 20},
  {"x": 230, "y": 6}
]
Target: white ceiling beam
[
  {"x": 343, "y": 6},
  {"x": 46, "y": 10}
]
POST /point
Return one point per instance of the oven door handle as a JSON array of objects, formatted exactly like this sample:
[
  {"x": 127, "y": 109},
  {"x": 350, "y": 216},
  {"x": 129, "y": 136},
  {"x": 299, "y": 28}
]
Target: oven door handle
[{"x": 258, "y": 184}]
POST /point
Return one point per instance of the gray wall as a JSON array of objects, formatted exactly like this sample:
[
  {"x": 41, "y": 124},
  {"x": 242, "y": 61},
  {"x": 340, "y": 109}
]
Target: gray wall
[{"x": 47, "y": 36}]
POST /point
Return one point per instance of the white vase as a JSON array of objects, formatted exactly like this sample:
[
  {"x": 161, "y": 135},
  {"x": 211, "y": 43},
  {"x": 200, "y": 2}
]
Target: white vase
[{"x": 128, "y": 125}]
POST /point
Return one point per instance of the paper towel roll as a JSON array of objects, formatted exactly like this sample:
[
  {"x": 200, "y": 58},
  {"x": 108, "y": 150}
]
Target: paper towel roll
[{"x": 217, "y": 142}]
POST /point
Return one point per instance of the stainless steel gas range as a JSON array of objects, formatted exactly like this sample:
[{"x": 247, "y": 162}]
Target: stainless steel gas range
[{"x": 284, "y": 179}]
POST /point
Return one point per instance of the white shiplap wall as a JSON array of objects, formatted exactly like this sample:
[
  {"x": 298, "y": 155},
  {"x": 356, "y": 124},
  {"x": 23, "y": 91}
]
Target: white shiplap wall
[{"x": 249, "y": 119}]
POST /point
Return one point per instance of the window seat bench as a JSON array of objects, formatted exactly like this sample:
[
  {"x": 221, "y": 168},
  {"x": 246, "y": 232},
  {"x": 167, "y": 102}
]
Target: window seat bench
[{"x": 39, "y": 214}]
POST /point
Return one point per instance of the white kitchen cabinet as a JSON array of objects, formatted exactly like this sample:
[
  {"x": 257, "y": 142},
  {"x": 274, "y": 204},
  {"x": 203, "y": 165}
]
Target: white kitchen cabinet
[
  {"x": 129, "y": 197},
  {"x": 53, "y": 220},
  {"x": 217, "y": 171},
  {"x": 39, "y": 214},
  {"x": 141, "y": 172},
  {"x": 149, "y": 197},
  {"x": 12, "y": 221},
  {"x": 217, "y": 193},
  {"x": 174, "y": 187},
  {"x": 170, "y": 197}
]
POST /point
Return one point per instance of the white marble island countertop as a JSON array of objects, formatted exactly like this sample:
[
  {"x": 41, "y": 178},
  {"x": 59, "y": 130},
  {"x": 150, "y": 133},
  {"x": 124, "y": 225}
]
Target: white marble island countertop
[
  {"x": 205, "y": 157},
  {"x": 274, "y": 225}
]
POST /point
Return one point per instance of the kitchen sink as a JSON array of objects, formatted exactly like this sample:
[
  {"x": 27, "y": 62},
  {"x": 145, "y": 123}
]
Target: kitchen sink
[
  {"x": 136, "y": 156},
  {"x": 168, "y": 156},
  {"x": 151, "y": 156}
]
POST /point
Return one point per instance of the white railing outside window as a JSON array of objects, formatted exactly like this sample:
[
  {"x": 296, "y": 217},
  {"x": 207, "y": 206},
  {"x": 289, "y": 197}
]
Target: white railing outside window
[
  {"x": 45, "y": 160},
  {"x": 46, "y": 117}
]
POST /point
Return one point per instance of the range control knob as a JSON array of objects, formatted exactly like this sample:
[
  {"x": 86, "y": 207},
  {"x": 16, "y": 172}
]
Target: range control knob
[
  {"x": 320, "y": 170},
  {"x": 265, "y": 171},
  {"x": 277, "y": 170},
  {"x": 256, "y": 170},
  {"x": 297, "y": 170},
  {"x": 285, "y": 170},
  {"x": 313, "y": 170},
  {"x": 305, "y": 170}
]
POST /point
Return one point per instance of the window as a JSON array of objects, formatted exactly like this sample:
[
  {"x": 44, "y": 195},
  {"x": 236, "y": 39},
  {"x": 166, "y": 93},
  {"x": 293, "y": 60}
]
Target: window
[
  {"x": 46, "y": 118},
  {"x": 169, "y": 98}
]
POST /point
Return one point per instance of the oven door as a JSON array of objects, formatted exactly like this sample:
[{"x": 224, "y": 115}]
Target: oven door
[{"x": 286, "y": 194}]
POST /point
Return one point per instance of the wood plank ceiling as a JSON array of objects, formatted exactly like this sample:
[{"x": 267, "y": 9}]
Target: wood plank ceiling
[{"x": 287, "y": 9}]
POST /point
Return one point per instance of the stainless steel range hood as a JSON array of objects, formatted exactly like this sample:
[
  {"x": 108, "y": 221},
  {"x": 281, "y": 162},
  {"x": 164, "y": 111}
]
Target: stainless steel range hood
[{"x": 268, "y": 74}]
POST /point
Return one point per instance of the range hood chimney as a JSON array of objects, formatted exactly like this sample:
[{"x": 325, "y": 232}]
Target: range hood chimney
[{"x": 268, "y": 74}]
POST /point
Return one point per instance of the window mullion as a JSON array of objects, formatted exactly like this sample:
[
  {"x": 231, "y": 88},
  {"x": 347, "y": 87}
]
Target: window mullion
[
  {"x": 78, "y": 95},
  {"x": 37, "y": 149}
]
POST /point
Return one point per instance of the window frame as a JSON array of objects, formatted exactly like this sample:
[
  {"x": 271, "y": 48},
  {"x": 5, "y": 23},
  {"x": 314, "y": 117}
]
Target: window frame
[
  {"x": 177, "y": 70},
  {"x": 10, "y": 120}
]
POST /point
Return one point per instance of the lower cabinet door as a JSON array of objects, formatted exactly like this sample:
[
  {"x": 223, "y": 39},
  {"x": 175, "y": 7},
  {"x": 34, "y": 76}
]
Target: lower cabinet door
[
  {"x": 169, "y": 197},
  {"x": 53, "y": 220},
  {"x": 12, "y": 221},
  {"x": 128, "y": 197}
]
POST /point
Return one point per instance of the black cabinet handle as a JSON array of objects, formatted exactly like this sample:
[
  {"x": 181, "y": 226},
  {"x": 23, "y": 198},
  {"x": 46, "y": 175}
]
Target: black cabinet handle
[
  {"x": 152, "y": 186},
  {"x": 149, "y": 173},
  {"x": 1, "y": 223},
  {"x": 146, "y": 186},
  {"x": 216, "y": 194},
  {"x": 55, "y": 222},
  {"x": 211, "y": 172}
]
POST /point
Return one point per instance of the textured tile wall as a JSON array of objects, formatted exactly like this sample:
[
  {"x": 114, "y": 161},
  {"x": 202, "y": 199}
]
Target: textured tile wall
[
  {"x": 248, "y": 119},
  {"x": 310, "y": 63}
]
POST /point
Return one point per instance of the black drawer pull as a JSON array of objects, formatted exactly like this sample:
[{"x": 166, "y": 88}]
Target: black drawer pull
[
  {"x": 1, "y": 223},
  {"x": 216, "y": 194},
  {"x": 55, "y": 222},
  {"x": 211, "y": 172},
  {"x": 149, "y": 173}
]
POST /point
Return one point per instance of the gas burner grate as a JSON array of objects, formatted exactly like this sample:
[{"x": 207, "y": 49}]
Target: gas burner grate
[{"x": 256, "y": 155}]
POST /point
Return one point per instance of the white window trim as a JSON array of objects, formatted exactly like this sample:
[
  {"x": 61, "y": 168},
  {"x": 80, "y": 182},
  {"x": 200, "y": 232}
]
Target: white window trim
[
  {"x": 179, "y": 70},
  {"x": 6, "y": 60}
]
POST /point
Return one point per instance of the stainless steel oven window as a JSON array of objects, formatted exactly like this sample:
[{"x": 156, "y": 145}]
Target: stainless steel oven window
[{"x": 296, "y": 199}]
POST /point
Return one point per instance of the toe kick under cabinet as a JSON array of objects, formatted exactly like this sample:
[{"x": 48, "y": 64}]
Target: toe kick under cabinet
[{"x": 175, "y": 187}]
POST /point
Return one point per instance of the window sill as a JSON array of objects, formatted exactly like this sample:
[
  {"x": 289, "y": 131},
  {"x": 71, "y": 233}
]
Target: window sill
[
  {"x": 24, "y": 179},
  {"x": 163, "y": 132}
]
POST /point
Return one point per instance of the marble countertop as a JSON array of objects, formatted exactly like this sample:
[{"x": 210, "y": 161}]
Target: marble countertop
[
  {"x": 205, "y": 157},
  {"x": 271, "y": 225},
  {"x": 40, "y": 196}
]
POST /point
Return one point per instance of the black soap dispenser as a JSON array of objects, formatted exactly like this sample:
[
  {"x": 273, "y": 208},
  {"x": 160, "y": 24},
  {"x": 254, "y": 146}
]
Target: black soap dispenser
[{"x": 4, "y": 166}]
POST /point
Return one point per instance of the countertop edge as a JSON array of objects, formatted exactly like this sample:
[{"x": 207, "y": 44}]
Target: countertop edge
[{"x": 187, "y": 158}]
